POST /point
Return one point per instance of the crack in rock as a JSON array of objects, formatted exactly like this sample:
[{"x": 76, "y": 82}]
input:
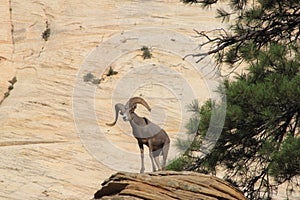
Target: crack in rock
[{"x": 20, "y": 143}]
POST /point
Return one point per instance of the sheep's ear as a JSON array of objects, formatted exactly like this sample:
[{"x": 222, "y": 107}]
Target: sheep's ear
[{"x": 132, "y": 107}]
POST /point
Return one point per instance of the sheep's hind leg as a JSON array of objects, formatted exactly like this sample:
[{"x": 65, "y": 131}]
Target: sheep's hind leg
[
  {"x": 151, "y": 155},
  {"x": 152, "y": 161},
  {"x": 156, "y": 158},
  {"x": 165, "y": 151}
]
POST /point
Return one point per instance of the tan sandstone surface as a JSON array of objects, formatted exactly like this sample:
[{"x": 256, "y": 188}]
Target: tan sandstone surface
[
  {"x": 53, "y": 141},
  {"x": 42, "y": 155}
]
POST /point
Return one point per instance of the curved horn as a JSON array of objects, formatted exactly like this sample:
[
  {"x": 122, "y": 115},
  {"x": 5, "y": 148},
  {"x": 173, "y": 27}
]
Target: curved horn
[
  {"x": 118, "y": 107},
  {"x": 137, "y": 100}
]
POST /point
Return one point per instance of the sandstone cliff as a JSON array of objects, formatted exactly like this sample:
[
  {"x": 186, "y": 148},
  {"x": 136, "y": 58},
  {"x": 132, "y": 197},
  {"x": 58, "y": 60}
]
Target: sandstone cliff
[
  {"x": 44, "y": 45},
  {"x": 42, "y": 155}
]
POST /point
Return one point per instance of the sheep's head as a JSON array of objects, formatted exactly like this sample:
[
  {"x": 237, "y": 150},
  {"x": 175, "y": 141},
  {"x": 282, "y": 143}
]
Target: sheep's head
[{"x": 128, "y": 108}]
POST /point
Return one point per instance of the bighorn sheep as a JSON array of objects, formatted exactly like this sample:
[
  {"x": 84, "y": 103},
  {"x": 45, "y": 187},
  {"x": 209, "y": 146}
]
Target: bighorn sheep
[{"x": 146, "y": 132}]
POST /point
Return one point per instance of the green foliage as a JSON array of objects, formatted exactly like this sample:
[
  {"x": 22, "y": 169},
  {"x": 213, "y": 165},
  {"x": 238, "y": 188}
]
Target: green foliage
[
  {"x": 9, "y": 89},
  {"x": 262, "y": 108},
  {"x": 260, "y": 138},
  {"x": 261, "y": 23},
  {"x": 205, "y": 115},
  {"x": 46, "y": 32},
  {"x": 146, "y": 52},
  {"x": 249, "y": 51},
  {"x": 193, "y": 123},
  {"x": 13, "y": 80},
  {"x": 111, "y": 72},
  {"x": 179, "y": 163},
  {"x": 183, "y": 144},
  {"x": 189, "y": 1},
  {"x": 286, "y": 162},
  {"x": 263, "y": 104},
  {"x": 221, "y": 13},
  {"x": 253, "y": 14},
  {"x": 89, "y": 77},
  {"x": 6, "y": 94}
]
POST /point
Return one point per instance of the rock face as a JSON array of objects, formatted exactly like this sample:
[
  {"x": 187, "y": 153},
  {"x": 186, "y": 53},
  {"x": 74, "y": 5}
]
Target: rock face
[
  {"x": 43, "y": 47},
  {"x": 167, "y": 185},
  {"x": 42, "y": 155}
]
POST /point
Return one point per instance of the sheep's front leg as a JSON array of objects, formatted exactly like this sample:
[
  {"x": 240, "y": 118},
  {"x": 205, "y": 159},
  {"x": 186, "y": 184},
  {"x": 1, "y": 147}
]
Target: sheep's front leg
[{"x": 142, "y": 157}]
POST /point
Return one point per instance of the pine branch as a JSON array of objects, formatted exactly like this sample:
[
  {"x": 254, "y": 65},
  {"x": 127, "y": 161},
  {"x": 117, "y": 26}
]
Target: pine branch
[{"x": 260, "y": 37}]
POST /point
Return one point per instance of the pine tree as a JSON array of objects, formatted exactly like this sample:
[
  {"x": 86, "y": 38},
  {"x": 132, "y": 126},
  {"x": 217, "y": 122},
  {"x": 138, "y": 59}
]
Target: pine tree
[
  {"x": 259, "y": 147},
  {"x": 260, "y": 139}
]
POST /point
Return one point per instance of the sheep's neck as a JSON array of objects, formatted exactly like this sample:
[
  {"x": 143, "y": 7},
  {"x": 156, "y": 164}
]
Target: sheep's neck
[
  {"x": 142, "y": 130},
  {"x": 136, "y": 120}
]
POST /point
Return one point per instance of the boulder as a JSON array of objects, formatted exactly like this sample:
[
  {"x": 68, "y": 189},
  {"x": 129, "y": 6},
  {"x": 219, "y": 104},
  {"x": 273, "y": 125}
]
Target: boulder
[{"x": 167, "y": 185}]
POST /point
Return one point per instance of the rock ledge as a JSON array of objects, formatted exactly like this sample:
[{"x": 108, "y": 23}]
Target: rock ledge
[{"x": 167, "y": 185}]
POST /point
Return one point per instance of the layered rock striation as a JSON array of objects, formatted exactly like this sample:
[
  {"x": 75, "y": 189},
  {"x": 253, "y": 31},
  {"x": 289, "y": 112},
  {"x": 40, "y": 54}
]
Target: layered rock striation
[{"x": 167, "y": 185}]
